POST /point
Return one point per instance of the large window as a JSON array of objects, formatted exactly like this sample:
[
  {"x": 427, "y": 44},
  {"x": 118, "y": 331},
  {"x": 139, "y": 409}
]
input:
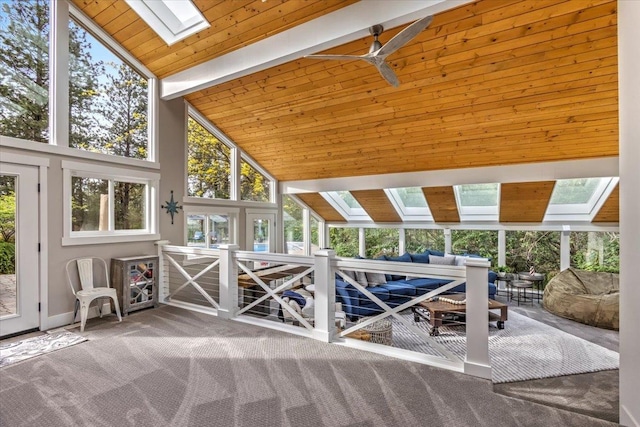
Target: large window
[
  {"x": 208, "y": 163},
  {"x": 293, "y": 226},
  {"x": 104, "y": 204},
  {"x": 595, "y": 251},
  {"x": 24, "y": 69},
  {"x": 107, "y": 99},
  {"x": 107, "y": 205},
  {"x": 480, "y": 242},
  {"x": 254, "y": 186},
  {"x": 540, "y": 249},
  {"x": 381, "y": 241},
  {"x": 344, "y": 241},
  {"x": 419, "y": 240}
]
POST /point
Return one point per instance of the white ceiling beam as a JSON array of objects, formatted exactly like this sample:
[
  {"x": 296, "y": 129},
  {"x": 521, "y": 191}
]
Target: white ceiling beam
[
  {"x": 528, "y": 172},
  {"x": 333, "y": 29}
]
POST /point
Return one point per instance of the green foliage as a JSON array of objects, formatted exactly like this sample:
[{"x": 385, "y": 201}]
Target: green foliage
[
  {"x": 293, "y": 231},
  {"x": 481, "y": 242},
  {"x": 24, "y": 73},
  {"x": 253, "y": 185},
  {"x": 344, "y": 241},
  {"x": 7, "y": 258},
  {"x": 7, "y": 208},
  {"x": 540, "y": 249},
  {"x": 419, "y": 240},
  {"x": 208, "y": 164},
  {"x": 381, "y": 241},
  {"x": 503, "y": 269},
  {"x": 596, "y": 251}
]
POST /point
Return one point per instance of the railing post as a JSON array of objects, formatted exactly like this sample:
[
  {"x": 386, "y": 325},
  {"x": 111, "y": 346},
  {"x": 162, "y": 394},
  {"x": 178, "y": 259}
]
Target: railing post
[
  {"x": 477, "y": 362},
  {"x": 325, "y": 296},
  {"x": 228, "y": 282},
  {"x": 161, "y": 273}
]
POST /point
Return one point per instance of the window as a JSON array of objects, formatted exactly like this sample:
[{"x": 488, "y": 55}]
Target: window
[
  {"x": 480, "y": 242},
  {"x": 254, "y": 186},
  {"x": 419, "y": 240},
  {"x": 540, "y": 249},
  {"x": 293, "y": 226},
  {"x": 595, "y": 251},
  {"x": 381, "y": 241},
  {"x": 410, "y": 203},
  {"x": 173, "y": 20},
  {"x": 107, "y": 99},
  {"x": 104, "y": 204},
  {"x": 208, "y": 163},
  {"x": 579, "y": 199},
  {"x": 477, "y": 202},
  {"x": 209, "y": 229},
  {"x": 315, "y": 233},
  {"x": 344, "y": 241},
  {"x": 24, "y": 69},
  {"x": 346, "y": 205}
]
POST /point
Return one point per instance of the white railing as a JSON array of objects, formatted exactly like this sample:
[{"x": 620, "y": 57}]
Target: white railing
[{"x": 251, "y": 287}]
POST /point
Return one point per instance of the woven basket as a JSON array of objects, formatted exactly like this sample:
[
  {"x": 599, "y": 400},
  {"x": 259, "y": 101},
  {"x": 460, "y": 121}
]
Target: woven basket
[{"x": 380, "y": 331}]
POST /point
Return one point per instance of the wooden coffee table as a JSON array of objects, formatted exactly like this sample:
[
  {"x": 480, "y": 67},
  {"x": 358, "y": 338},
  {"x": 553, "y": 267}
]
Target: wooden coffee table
[{"x": 434, "y": 311}]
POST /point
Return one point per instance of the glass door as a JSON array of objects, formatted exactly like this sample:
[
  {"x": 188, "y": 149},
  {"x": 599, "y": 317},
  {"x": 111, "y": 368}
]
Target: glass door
[
  {"x": 19, "y": 261},
  {"x": 261, "y": 236}
]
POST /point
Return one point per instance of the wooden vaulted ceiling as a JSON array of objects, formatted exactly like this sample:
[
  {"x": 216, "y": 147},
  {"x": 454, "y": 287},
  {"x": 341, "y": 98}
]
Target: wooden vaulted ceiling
[{"x": 489, "y": 83}]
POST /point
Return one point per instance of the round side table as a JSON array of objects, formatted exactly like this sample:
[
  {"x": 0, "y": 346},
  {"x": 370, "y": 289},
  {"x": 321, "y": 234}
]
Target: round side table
[{"x": 521, "y": 288}]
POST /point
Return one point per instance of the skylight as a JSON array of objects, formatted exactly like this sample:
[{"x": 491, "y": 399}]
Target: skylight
[
  {"x": 346, "y": 205},
  {"x": 173, "y": 20},
  {"x": 477, "y": 202},
  {"x": 578, "y": 199},
  {"x": 410, "y": 203}
]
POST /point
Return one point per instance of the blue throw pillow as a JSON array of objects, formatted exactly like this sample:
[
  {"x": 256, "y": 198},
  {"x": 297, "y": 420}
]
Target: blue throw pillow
[{"x": 421, "y": 258}]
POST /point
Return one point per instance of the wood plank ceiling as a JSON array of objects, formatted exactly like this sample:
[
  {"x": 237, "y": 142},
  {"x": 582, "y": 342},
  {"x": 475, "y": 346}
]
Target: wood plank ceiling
[
  {"x": 494, "y": 82},
  {"x": 525, "y": 201}
]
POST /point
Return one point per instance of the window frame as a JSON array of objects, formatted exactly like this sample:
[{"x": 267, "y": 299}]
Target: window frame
[
  {"x": 61, "y": 12},
  {"x": 207, "y": 211},
  {"x": 72, "y": 169},
  {"x": 237, "y": 156}
]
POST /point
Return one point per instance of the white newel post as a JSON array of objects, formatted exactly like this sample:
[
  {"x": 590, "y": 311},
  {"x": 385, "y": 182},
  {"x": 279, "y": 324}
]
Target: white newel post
[
  {"x": 477, "y": 362},
  {"x": 325, "y": 296},
  {"x": 163, "y": 281},
  {"x": 228, "y": 282}
]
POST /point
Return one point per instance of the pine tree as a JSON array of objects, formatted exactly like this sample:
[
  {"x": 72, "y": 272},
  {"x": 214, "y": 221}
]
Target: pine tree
[{"x": 24, "y": 69}]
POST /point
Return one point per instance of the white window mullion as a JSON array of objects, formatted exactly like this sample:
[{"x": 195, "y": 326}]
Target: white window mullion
[
  {"x": 236, "y": 161},
  {"x": 112, "y": 207},
  {"x": 59, "y": 74}
]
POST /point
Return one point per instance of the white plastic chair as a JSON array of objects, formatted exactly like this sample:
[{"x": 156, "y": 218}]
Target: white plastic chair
[{"x": 89, "y": 280}]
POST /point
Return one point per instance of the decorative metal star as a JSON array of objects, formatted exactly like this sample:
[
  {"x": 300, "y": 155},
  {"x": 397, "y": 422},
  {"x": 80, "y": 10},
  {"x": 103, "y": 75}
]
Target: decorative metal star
[{"x": 171, "y": 207}]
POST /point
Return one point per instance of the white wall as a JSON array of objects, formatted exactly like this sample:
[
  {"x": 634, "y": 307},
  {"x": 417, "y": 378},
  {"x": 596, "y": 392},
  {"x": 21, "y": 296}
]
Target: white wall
[{"x": 629, "y": 92}]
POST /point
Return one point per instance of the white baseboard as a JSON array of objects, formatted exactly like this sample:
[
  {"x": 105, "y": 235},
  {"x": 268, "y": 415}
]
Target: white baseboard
[{"x": 65, "y": 319}]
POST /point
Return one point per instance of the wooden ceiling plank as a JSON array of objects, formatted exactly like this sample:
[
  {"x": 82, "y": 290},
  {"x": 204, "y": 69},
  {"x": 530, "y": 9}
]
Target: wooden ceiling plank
[
  {"x": 610, "y": 210},
  {"x": 442, "y": 204},
  {"x": 316, "y": 202},
  {"x": 377, "y": 205},
  {"x": 525, "y": 201}
]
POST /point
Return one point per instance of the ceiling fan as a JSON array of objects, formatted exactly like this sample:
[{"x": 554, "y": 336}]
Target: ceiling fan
[{"x": 378, "y": 53}]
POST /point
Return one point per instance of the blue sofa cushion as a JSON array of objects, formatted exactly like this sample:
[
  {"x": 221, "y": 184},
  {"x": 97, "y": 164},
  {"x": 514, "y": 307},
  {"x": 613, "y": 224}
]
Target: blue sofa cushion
[
  {"x": 421, "y": 258},
  {"x": 426, "y": 284},
  {"x": 398, "y": 288},
  {"x": 405, "y": 257},
  {"x": 435, "y": 253}
]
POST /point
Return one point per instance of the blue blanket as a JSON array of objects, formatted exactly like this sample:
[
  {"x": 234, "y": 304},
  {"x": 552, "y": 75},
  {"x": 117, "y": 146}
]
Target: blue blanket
[{"x": 294, "y": 296}]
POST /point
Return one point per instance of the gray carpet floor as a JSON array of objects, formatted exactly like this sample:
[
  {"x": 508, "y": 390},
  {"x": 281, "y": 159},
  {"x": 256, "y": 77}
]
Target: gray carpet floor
[{"x": 172, "y": 367}]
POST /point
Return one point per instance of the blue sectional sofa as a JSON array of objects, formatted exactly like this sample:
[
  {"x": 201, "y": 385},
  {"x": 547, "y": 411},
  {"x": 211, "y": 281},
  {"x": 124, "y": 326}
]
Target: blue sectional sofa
[{"x": 398, "y": 289}]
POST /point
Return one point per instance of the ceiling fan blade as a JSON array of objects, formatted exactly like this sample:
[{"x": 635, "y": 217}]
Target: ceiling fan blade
[
  {"x": 336, "y": 57},
  {"x": 388, "y": 74},
  {"x": 404, "y": 36}
]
